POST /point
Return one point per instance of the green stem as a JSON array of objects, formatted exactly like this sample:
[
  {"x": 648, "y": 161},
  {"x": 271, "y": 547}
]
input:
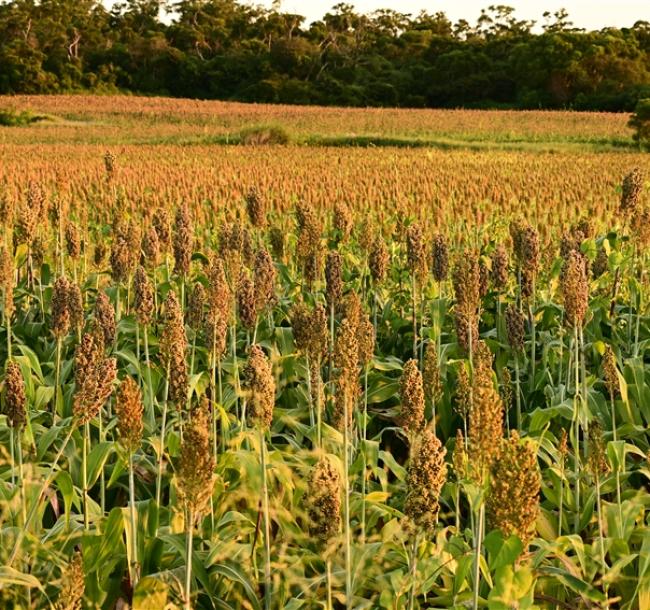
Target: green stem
[
  {"x": 84, "y": 474},
  {"x": 134, "y": 531},
  {"x": 346, "y": 485},
  {"x": 162, "y": 441},
  {"x": 188, "y": 561},
  {"x": 414, "y": 569},
  {"x": 267, "y": 523},
  {"x": 477, "y": 554}
]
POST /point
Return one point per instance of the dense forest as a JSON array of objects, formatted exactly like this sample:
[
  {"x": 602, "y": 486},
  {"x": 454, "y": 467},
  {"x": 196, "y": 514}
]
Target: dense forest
[{"x": 225, "y": 50}]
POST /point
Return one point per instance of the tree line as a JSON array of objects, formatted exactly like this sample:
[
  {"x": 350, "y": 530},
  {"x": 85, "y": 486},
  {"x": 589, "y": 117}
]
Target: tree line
[{"x": 221, "y": 49}]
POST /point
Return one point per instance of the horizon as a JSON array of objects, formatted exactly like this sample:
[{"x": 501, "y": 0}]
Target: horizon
[{"x": 582, "y": 13}]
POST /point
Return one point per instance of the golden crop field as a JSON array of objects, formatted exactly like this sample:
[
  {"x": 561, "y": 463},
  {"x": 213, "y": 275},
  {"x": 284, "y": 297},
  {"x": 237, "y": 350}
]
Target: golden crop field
[{"x": 395, "y": 361}]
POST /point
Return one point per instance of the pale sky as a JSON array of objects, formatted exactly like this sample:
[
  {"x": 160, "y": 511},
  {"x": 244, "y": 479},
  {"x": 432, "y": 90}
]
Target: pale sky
[{"x": 588, "y": 14}]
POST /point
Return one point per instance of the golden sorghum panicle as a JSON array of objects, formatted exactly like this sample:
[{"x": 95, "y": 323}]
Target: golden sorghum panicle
[
  {"x": 14, "y": 391},
  {"x": 631, "y": 191},
  {"x": 426, "y": 474},
  {"x": 440, "y": 258},
  {"x": 105, "y": 317},
  {"x": 72, "y": 585},
  {"x": 88, "y": 353},
  {"x": 256, "y": 208},
  {"x": 195, "y": 305},
  {"x": 183, "y": 241},
  {"x": 129, "y": 409},
  {"x": 72, "y": 240},
  {"x": 610, "y": 372},
  {"x": 342, "y": 221},
  {"x": 264, "y": 281},
  {"x": 173, "y": 346},
  {"x": 109, "y": 165},
  {"x": 378, "y": 260},
  {"x": 459, "y": 457},
  {"x": 323, "y": 500},
  {"x": 60, "y": 322},
  {"x": 7, "y": 280},
  {"x": 346, "y": 358},
  {"x": 151, "y": 248},
  {"x": 144, "y": 297},
  {"x": 75, "y": 305},
  {"x": 485, "y": 416},
  {"x": 513, "y": 496},
  {"x": 515, "y": 327},
  {"x": 597, "y": 460},
  {"x": 310, "y": 331},
  {"x": 463, "y": 394},
  {"x": 526, "y": 245},
  {"x": 601, "y": 263},
  {"x": 640, "y": 226},
  {"x": 500, "y": 264},
  {"x": 415, "y": 251},
  {"x": 38, "y": 251},
  {"x": 575, "y": 289},
  {"x": 260, "y": 385},
  {"x": 246, "y": 302},
  {"x": 431, "y": 374},
  {"x": 196, "y": 469},
  {"x": 466, "y": 281},
  {"x": 411, "y": 394},
  {"x": 121, "y": 254},
  {"x": 219, "y": 304},
  {"x": 163, "y": 227},
  {"x": 365, "y": 339},
  {"x": 94, "y": 386},
  {"x": 308, "y": 246},
  {"x": 483, "y": 278},
  {"x": 301, "y": 326},
  {"x": 134, "y": 241},
  {"x": 333, "y": 278}
]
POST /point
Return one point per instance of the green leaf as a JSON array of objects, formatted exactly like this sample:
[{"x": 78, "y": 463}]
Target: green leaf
[{"x": 96, "y": 460}]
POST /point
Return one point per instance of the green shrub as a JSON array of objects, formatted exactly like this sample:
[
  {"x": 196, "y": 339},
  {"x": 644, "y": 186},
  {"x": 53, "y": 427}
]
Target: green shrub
[
  {"x": 265, "y": 134},
  {"x": 11, "y": 117},
  {"x": 640, "y": 122}
]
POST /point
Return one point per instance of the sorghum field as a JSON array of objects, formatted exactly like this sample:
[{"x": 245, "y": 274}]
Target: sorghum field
[{"x": 409, "y": 374}]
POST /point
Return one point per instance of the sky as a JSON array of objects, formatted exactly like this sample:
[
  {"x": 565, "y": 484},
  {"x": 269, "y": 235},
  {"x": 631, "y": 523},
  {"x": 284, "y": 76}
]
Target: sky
[{"x": 588, "y": 14}]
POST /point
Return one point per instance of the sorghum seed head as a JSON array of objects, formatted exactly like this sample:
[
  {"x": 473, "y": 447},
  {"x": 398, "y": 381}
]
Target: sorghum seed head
[
  {"x": 7, "y": 280},
  {"x": 597, "y": 460},
  {"x": 500, "y": 264},
  {"x": 246, "y": 302},
  {"x": 173, "y": 346},
  {"x": 415, "y": 251},
  {"x": 14, "y": 391},
  {"x": 75, "y": 305},
  {"x": 277, "y": 239},
  {"x": 72, "y": 585},
  {"x": 256, "y": 208},
  {"x": 601, "y": 262},
  {"x": 631, "y": 191},
  {"x": 575, "y": 289},
  {"x": 162, "y": 225},
  {"x": 610, "y": 372},
  {"x": 515, "y": 327},
  {"x": 333, "y": 278},
  {"x": 411, "y": 399},
  {"x": 129, "y": 409},
  {"x": 378, "y": 260},
  {"x": 94, "y": 389},
  {"x": 151, "y": 248},
  {"x": 195, "y": 305},
  {"x": 196, "y": 469},
  {"x": 324, "y": 500},
  {"x": 513, "y": 497},
  {"x": 431, "y": 374},
  {"x": 463, "y": 394},
  {"x": 485, "y": 416},
  {"x": 144, "y": 297},
  {"x": 264, "y": 281},
  {"x": 60, "y": 322},
  {"x": 183, "y": 241},
  {"x": 426, "y": 474},
  {"x": 72, "y": 240},
  {"x": 105, "y": 317},
  {"x": 260, "y": 384},
  {"x": 440, "y": 258},
  {"x": 342, "y": 220}
]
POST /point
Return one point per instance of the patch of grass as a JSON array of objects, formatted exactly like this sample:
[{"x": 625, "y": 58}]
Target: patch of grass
[
  {"x": 264, "y": 135},
  {"x": 11, "y": 117}
]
